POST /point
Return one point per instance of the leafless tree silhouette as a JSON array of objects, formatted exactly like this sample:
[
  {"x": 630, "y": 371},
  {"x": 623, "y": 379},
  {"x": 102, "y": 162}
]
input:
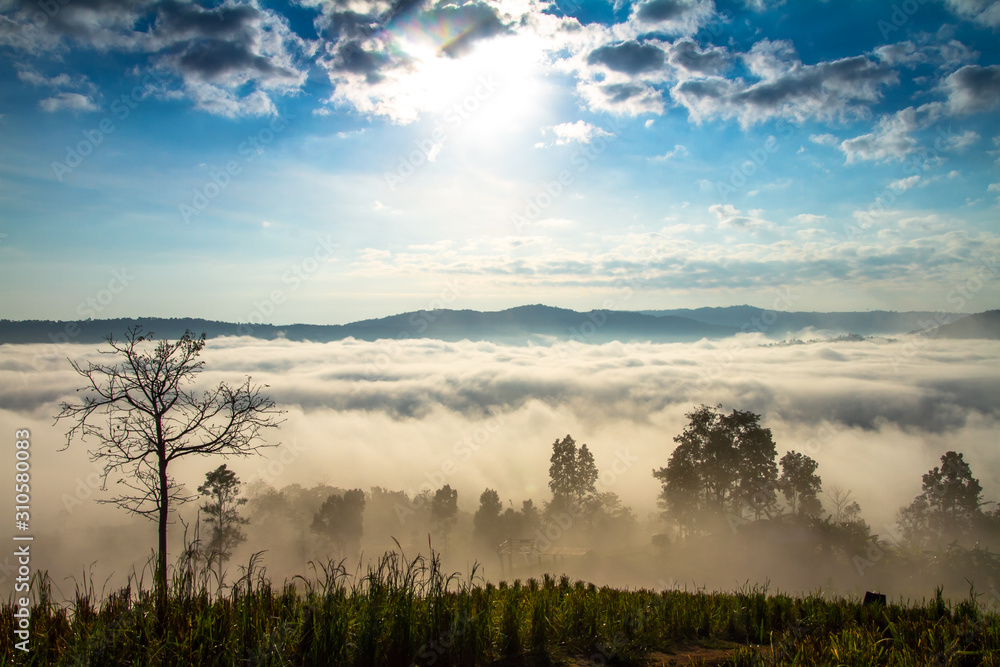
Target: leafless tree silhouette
[{"x": 144, "y": 414}]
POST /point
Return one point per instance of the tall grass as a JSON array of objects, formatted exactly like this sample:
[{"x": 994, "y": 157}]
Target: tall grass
[{"x": 402, "y": 611}]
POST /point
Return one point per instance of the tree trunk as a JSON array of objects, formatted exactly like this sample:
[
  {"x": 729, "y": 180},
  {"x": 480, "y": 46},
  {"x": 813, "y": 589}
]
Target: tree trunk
[
  {"x": 221, "y": 545},
  {"x": 161, "y": 561}
]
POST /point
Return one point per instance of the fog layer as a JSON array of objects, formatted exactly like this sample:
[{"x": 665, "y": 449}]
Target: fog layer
[{"x": 414, "y": 415}]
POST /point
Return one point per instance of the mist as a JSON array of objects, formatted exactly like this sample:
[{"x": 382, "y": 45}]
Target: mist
[{"x": 413, "y": 415}]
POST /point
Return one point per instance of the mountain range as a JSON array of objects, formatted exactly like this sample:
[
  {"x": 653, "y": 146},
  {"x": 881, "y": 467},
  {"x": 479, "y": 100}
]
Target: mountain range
[{"x": 530, "y": 324}]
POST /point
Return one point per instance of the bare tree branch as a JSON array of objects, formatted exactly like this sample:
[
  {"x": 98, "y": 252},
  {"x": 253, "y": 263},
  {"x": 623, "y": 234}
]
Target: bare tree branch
[{"x": 143, "y": 413}]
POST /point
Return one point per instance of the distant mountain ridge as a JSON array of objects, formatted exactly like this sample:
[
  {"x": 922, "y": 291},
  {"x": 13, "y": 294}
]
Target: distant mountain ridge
[
  {"x": 521, "y": 325},
  {"x": 980, "y": 325},
  {"x": 779, "y": 322}
]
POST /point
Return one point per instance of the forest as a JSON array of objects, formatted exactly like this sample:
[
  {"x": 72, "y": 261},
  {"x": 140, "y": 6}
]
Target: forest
[{"x": 729, "y": 507}]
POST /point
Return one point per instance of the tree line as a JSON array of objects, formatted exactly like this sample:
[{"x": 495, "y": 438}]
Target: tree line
[{"x": 143, "y": 414}]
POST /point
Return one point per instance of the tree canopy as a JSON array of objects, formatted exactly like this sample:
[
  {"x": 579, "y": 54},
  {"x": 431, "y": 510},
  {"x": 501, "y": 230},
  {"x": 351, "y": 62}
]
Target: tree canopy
[
  {"x": 222, "y": 512},
  {"x": 572, "y": 474},
  {"x": 948, "y": 506},
  {"x": 722, "y": 465},
  {"x": 340, "y": 519},
  {"x": 800, "y": 484}
]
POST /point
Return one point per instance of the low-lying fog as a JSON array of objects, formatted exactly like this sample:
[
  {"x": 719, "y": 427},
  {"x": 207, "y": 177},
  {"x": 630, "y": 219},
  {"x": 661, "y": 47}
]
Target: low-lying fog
[{"x": 417, "y": 414}]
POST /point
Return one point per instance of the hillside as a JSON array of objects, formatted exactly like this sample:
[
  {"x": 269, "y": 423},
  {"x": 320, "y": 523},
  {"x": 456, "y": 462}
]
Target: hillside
[{"x": 981, "y": 325}]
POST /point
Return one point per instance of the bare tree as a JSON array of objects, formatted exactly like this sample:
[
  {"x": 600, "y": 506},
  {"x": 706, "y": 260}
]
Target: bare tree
[
  {"x": 845, "y": 508},
  {"x": 144, "y": 414}
]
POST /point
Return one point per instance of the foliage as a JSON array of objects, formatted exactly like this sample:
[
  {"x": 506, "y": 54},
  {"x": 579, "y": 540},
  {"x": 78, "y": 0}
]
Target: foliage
[
  {"x": 948, "y": 506},
  {"x": 444, "y": 510},
  {"x": 409, "y": 612},
  {"x": 488, "y": 521},
  {"x": 572, "y": 474},
  {"x": 800, "y": 484},
  {"x": 723, "y": 466},
  {"x": 340, "y": 519},
  {"x": 222, "y": 487}
]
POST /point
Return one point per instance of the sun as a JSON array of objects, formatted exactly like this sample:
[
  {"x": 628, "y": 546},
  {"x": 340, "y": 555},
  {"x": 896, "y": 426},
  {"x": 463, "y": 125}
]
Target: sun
[{"x": 494, "y": 88}]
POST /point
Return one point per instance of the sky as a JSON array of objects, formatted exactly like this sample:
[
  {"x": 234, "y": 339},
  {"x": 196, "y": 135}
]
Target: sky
[{"x": 326, "y": 162}]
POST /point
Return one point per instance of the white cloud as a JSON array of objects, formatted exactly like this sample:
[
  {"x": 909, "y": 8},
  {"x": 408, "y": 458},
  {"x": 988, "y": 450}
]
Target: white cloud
[
  {"x": 677, "y": 150},
  {"x": 927, "y": 50},
  {"x": 731, "y": 218},
  {"x": 986, "y": 12},
  {"x": 808, "y": 218},
  {"x": 220, "y": 101},
  {"x": 630, "y": 98},
  {"x": 824, "y": 139},
  {"x": 859, "y": 408},
  {"x": 892, "y": 138},
  {"x": 33, "y": 77},
  {"x": 68, "y": 102},
  {"x": 962, "y": 141},
  {"x": 904, "y": 183},
  {"x": 579, "y": 132}
]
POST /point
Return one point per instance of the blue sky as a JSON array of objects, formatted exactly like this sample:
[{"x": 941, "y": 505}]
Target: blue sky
[{"x": 330, "y": 161}]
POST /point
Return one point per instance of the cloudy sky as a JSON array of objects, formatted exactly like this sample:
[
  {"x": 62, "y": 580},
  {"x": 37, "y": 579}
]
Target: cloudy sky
[{"x": 329, "y": 161}]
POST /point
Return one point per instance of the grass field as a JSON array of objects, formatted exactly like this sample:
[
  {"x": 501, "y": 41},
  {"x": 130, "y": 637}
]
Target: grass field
[{"x": 405, "y": 612}]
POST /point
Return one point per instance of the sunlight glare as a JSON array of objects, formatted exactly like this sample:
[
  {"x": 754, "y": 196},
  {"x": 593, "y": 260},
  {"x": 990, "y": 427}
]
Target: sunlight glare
[{"x": 484, "y": 94}]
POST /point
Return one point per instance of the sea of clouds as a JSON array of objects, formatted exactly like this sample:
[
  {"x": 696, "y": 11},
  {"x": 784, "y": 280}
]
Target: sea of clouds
[{"x": 411, "y": 414}]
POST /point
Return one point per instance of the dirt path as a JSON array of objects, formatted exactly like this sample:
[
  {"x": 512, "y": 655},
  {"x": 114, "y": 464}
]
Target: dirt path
[{"x": 688, "y": 654}]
